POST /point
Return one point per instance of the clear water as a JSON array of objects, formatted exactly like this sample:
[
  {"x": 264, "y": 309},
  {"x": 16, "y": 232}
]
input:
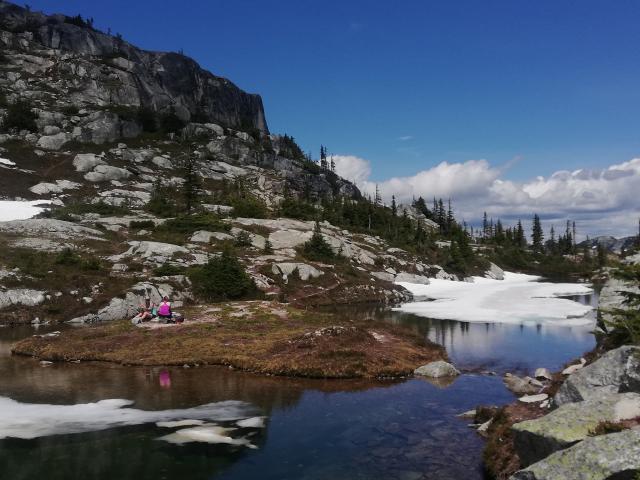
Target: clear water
[{"x": 315, "y": 429}]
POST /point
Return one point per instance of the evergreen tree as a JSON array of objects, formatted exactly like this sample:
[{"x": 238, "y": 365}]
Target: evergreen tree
[
  {"x": 378, "y": 200},
  {"x": 394, "y": 207},
  {"x": 537, "y": 235},
  {"x": 191, "y": 185},
  {"x": 520, "y": 239}
]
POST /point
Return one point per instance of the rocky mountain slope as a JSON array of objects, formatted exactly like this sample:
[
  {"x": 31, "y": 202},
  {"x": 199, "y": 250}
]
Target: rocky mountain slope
[
  {"x": 63, "y": 61},
  {"x": 112, "y": 136}
]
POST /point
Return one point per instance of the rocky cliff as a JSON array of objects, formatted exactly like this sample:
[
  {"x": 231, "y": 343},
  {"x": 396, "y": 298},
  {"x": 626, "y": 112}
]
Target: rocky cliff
[{"x": 83, "y": 66}]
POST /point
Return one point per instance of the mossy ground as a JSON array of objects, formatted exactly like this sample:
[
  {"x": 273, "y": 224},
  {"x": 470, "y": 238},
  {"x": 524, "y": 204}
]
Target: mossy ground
[{"x": 263, "y": 337}]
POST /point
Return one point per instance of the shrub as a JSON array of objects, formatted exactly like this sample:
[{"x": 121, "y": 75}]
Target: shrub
[
  {"x": 187, "y": 224},
  {"x": 20, "y": 117},
  {"x": 222, "y": 278},
  {"x": 140, "y": 224},
  {"x": 170, "y": 122},
  {"x": 161, "y": 202},
  {"x": 243, "y": 239},
  {"x": 70, "y": 110},
  {"x": 148, "y": 119},
  {"x": 67, "y": 257},
  {"x": 268, "y": 246},
  {"x": 317, "y": 248},
  {"x": 80, "y": 208},
  {"x": 606, "y": 427},
  {"x": 293, "y": 208},
  {"x": 249, "y": 207}
]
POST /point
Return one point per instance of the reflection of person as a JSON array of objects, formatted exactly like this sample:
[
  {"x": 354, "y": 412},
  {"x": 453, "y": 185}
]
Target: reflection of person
[{"x": 165, "y": 379}]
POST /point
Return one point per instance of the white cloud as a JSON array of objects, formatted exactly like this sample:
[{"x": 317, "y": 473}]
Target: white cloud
[
  {"x": 352, "y": 168},
  {"x": 405, "y": 138},
  {"x": 603, "y": 201}
]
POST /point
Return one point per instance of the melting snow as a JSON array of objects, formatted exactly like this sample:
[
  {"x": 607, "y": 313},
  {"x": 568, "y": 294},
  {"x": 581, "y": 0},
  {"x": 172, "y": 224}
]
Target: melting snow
[
  {"x": 254, "y": 422},
  {"x": 20, "y": 210},
  {"x": 518, "y": 298},
  {"x": 6, "y": 161},
  {"x": 30, "y": 420},
  {"x": 208, "y": 433}
]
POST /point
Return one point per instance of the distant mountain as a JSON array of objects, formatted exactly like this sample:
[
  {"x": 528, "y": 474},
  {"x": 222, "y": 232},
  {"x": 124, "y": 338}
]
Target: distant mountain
[
  {"x": 612, "y": 244},
  {"x": 80, "y": 66}
]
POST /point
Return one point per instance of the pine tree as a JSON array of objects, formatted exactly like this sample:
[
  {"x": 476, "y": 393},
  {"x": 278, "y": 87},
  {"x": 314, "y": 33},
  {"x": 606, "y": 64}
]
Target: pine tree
[
  {"x": 537, "y": 235},
  {"x": 378, "y": 200},
  {"x": 394, "y": 207},
  {"x": 333, "y": 165},
  {"x": 323, "y": 157},
  {"x": 485, "y": 226},
  {"x": 191, "y": 185},
  {"x": 520, "y": 239}
]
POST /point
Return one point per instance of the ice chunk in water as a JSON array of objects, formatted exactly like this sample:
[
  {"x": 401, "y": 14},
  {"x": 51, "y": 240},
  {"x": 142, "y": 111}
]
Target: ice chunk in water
[
  {"x": 31, "y": 420},
  {"x": 206, "y": 434},
  {"x": 254, "y": 422}
]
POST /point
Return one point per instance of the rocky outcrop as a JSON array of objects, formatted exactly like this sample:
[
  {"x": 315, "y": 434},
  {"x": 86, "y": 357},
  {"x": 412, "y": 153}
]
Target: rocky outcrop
[
  {"x": 571, "y": 423},
  {"x": 105, "y": 70},
  {"x": 616, "y": 371},
  {"x": 605, "y": 457},
  {"x": 522, "y": 386},
  {"x": 304, "y": 271},
  {"x": 612, "y": 296},
  {"x": 21, "y": 296}
]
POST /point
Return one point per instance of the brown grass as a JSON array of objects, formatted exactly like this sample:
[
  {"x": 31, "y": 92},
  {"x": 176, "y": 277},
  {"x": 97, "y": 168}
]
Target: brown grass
[
  {"x": 261, "y": 337},
  {"x": 499, "y": 456}
]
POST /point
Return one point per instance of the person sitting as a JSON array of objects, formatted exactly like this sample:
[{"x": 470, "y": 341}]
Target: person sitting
[
  {"x": 143, "y": 315},
  {"x": 164, "y": 310}
]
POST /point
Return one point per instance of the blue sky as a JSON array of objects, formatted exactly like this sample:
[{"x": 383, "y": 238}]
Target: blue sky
[
  {"x": 554, "y": 83},
  {"x": 539, "y": 86}
]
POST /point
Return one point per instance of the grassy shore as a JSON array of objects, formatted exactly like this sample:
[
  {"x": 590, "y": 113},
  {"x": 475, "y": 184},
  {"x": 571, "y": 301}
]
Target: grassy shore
[{"x": 259, "y": 336}]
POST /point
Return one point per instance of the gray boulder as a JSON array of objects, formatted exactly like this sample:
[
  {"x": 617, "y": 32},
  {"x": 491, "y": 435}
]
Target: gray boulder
[
  {"x": 605, "y": 457},
  {"x": 494, "y": 272},
  {"x": 522, "y": 386},
  {"x": 21, "y": 296},
  {"x": 105, "y": 173},
  {"x": 616, "y": 371},
  {"x": 53, "y": 142},
  {"x": 412, "y": 278},
  {"x": 305, "y": 272},
  {"x": 571, "y": 423},
  {"x": 437, "y": 369},
  {"x": 85, "y": 162}
]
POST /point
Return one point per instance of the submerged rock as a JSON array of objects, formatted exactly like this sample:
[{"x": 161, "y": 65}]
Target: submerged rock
[
  {"x": 616, "y": 371},
  {"x": 436, "y": 370},
  {"x": 616, "y": 455},
  {"x": 571, "y": 423}
]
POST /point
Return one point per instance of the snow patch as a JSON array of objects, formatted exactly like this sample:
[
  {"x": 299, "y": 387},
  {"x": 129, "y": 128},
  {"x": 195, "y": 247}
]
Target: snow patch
[
  {"x": 207, "y": 433},
  {"x": 20, "y": 210},
  {"x": 519, "y": 298},
  {"x": 6, "y": 161},
  {"x": 253, "y": 422},
  {"x": 31, "y": 420}
]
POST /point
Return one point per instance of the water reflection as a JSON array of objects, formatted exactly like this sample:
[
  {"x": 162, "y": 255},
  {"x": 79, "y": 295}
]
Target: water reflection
[{"x": 315, "y": 429}]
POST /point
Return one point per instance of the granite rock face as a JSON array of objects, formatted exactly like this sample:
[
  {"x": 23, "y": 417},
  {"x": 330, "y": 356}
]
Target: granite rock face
[
  {"x": 613, "y": 456},
  {"x": 616, "y": 371},
  {"x": 571, "y": 423},
  {"x": 106, "y": 70}
]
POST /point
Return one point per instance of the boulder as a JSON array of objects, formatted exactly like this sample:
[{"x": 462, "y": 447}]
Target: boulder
[
  {"x": 162, "y": 162},
  {"x": 412, "y": 278},
  {"x": 571, "y": 423},
  {"x": 384, "y": 276},
  {"x": 85, "y": 162},
  {"x": 543, "y": 374},
  {"x": 522, "y": 386},
  {"x": 53, "y": 142},
  {"x": 147, "y": 249},
  {"x": 105, "y": 173},
  {"x": 611, "y": 296},
  {"x": 45, "y": 188},
  {"x": 21, "y": 296},
  {"x": 605, "y": 457},
  {"x": 616, "y": 371},
  {"x": 437, "y": 369},
  {"x": 202, "y": 236},
  {"x": 305, "y": 272},
  {"x": 494, "y": 272}
]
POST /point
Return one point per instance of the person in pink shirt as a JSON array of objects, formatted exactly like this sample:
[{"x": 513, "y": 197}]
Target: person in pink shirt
[{"x": 164, "y": 309}]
